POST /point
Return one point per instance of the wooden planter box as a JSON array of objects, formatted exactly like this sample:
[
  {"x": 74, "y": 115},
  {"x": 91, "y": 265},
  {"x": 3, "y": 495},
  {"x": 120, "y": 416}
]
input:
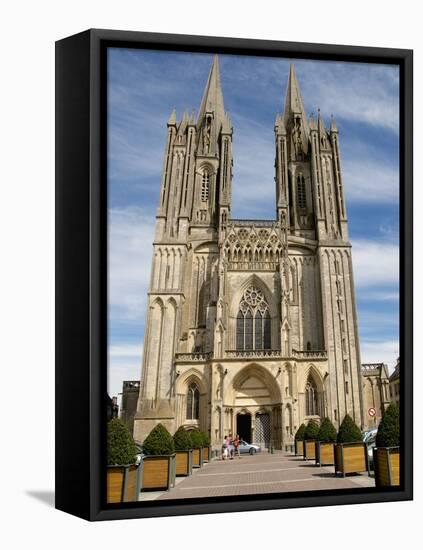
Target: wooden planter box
[
  {"x": 122, "y": 483},
  {"x": 197, "y": 458},
  {"x": 309, "y": 449},
  {"x": 206, "y": 454},
  {"x": 299, "y": 447},
  {"x": 157, "y": 472},
  {"x": 386, "y": 462},
  {"x": 351, "y": 458},
  {"x": 183, "y": 463},
  {"x": 325, "y": 453}
]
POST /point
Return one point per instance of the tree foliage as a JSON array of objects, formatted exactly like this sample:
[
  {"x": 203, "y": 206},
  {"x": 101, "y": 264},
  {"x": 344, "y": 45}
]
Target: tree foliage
[
  {"x": 349, "y": 432},
  {"x": 300, "y": 433},
  {"x": 121, "y": 448},
  {"x": 158, "y": 442},
  {"x": 206, "y": 439},
  {"x": 311, "y": 431},
  {"x": 182, "y": 439},
  {"x": 327, "y": 432},
  {"x": 196, "y": 438},
  {"x": 388, "y": 434}
]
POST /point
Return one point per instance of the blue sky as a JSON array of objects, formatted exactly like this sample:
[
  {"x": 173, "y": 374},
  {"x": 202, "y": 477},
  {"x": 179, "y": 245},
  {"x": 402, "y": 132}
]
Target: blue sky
[{"x": 144, "y": 86}]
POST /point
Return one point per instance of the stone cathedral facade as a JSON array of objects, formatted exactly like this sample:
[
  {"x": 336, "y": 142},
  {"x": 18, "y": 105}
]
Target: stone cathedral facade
[{"x": 251, "y": 324}]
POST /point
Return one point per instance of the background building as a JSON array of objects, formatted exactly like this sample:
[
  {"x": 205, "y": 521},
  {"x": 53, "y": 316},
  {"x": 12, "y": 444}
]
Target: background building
[
  {"x": 251, "y": 325},
  {"x": 128, "y": 407},
  {"x": 112, "y": 407},
  {"x": 375, "y": 392},
  {"x": 394, "y": 384}
]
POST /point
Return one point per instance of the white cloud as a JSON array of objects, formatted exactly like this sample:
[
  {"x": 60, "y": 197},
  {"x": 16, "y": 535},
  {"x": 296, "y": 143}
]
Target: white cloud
[
  {"x": 353, "y": 91},
  {"x": 124, "y": 363},
  {"x": 367, "y": 180},
  {"x": 380, "y": 352},
  {"x": 130, "y": 251},
  {"x": 117, "y": 352},
  {"x": 375, "y": 263},
  {"x": 379, "y": 295}
]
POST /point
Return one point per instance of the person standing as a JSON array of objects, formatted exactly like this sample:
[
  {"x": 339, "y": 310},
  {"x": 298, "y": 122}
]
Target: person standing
[
  {"x": 225, "y": 448},
  {"x": 236, "y": 446},
  {"x": 231, "y": 446}
]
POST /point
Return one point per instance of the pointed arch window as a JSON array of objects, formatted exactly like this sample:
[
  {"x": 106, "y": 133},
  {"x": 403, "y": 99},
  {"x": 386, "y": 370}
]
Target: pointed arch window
[
  {"x": 311, "y": 398},
  {"x": 253, "y": 322},
  {"x": 193, "y": 402},
  {"x": 205, "y": 184},
  {"x": 301, "y": 192}
]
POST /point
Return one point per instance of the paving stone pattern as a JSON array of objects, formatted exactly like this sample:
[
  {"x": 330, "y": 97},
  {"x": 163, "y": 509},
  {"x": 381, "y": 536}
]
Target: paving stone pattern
[{"x": 259, "y": 474}]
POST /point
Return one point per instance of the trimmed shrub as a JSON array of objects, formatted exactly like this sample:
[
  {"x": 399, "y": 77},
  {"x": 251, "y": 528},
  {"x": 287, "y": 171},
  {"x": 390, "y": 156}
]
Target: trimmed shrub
[
  {"x": 300, "y": 433},
  {"x": 327, "y": 431},
  {"x": 311, "y": 431},
  {"x": 182, "y": 439},
  {"x": 121, "y": 448},
  {"x": 196, "y": 439},
  {"x": 206, "y": 439},
  {"x": 388, "y": 434},
  {"x": 158, "y": 442},
  {"x": 349, "y": 432}
]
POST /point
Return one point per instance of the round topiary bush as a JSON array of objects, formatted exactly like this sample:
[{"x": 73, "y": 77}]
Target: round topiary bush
[
  {"x": 158, "y": 442},
  {"x": 196, "y": 439},
  {"x": 206, "y": 439},
  {"x": 182, "y": 439},
  {"x": 327, "y": 431},
  {"x": 311, "y": 431},
  {"x": 121, "y": 448},
  {"x": 388, "y": 434},
  {"x": 349, "y": 432},
  {"x": 299, "y": 436}
]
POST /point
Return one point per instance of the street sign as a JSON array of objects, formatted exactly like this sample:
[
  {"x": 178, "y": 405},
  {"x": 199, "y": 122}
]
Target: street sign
[{"x": 372, "y": 411}]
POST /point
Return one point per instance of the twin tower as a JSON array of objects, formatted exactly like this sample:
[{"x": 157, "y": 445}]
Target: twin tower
[{"x": 251, "y": 324}]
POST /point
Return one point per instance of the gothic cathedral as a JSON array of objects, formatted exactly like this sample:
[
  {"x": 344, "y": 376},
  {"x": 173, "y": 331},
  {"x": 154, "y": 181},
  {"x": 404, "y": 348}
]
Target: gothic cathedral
[{"x": 251, "y": 324}]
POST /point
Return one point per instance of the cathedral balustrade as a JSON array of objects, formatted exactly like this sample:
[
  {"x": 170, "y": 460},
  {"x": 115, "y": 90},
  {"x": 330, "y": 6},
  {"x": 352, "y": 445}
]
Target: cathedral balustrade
[
  {"x": 195, "y": 356},
  {"x": 264, "y": 353},
  {"x": 254, "y": 266},
  {"x": 253, "y": 353},
  {"x": 255, "y": 223},
  {"x": 200, "y": 356},
  {"x": 310, "y": 354}
]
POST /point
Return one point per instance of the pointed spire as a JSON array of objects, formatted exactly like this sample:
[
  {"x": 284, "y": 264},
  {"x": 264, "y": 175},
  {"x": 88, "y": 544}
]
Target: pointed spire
[
  {"x": 293, "y": 100},
  {"x": 172, "y": 118},
  {"x": 227, "y": 124},
  {"x": 184, "y": 123},
  {"x": 312, "y": 122},
  {"x": 213, "y": 98},
  {"x": 279, "y": 125},
  {"x": 333, "y": 126},
  {"x": 321, "y": 124}
]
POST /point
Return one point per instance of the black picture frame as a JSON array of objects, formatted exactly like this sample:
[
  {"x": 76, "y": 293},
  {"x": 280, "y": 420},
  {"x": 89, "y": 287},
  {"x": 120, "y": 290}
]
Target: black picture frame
[{"x": 81, "y": 271}]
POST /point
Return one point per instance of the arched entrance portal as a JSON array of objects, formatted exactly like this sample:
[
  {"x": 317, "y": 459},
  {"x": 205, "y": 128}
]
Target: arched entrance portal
[
  {"x": 255, "y": 398},
  {"x": 243, "y": 426},
  {"x": 262, "y": 429}
]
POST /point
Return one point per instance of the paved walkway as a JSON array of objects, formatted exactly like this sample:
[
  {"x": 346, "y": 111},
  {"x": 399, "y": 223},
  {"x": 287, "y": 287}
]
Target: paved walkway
[{"x": 258, "y": 474}]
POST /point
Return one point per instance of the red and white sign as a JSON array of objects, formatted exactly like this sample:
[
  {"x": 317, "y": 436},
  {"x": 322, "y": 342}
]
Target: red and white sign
[{"x": 372, "y": 411}]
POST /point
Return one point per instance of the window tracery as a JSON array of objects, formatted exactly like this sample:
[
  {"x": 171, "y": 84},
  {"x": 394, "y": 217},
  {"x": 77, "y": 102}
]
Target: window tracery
[
  {"x": 253, "y": 330},
  {"x": 205, "y": 180},
  {"x": 193, "y": 402},
  {"x": 311, "y": 398}
]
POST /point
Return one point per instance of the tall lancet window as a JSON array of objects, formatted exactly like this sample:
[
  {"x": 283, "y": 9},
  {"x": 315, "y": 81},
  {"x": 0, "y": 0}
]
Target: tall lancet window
[
  {"x": 311, "y": 397},
  {"x": 205, "y": 183},
  {"x": 193, "y": 402},
  {"x": 301, "y": 192},
  {"x": 253, "y": 323}
]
